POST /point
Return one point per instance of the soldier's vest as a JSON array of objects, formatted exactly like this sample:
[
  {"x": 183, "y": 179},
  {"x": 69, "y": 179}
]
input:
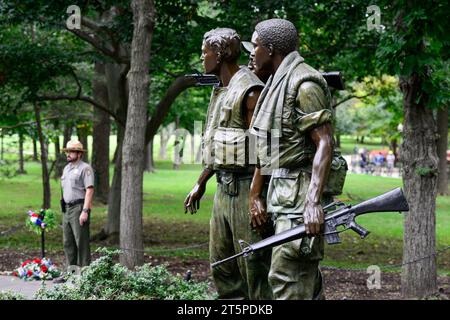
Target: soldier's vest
[
  {"x": 212, "y": 122},
  {"x": 231, "y": 139},
  {"x": 296, "y": 149}
]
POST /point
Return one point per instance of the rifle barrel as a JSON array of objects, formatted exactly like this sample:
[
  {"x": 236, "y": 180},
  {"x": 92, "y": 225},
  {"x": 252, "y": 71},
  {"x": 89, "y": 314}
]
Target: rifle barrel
[{"x": 214, "y": 264}]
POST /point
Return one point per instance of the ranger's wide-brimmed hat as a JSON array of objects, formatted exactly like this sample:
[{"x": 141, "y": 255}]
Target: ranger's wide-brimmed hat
[{"x": 74, "y": 146}]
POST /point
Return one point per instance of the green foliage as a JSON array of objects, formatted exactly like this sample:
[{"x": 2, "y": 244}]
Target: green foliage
[
  {"x": 10, "y": 295},
  {"x": 8, "y": 169},
  {"x": 104, "y": 279},
  {"x": 417, "y": 43},
  {"x": 377, "y": 114},
  {"x": 424, "y": 171},
  {"x": 41, "y": 60}
]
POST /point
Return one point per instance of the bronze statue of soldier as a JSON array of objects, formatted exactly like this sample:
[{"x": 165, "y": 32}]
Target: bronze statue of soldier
[
  {"x": 295, "y": 107},
  {"x": 230, "y": 112}
]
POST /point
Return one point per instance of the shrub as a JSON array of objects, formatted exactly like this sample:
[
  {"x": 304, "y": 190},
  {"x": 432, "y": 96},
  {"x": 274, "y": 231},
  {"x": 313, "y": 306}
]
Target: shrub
[
  {"x": 107, "y": 280},
  {"x": 10, "y": 295}
]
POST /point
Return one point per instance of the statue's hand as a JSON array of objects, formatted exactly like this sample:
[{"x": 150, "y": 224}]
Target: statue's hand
[
  {"x": 313, "y": 218},
  {"x": 257, "y": 211},
  {"x": 192, "y": 201}
]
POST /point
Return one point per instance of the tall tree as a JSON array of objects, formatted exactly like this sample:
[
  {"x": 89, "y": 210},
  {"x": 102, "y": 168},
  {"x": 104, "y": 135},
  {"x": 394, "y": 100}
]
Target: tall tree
[
  {"x": 44, "y": 158},
  {"x": 100, "y": 135},
  {"x": 414, "y": 48},
  {"x": 149, "y": 163},
  {"x": 131, "y": 237},
  {"x": 442, "y": 129},
  {"x": 21, "y": 157}
]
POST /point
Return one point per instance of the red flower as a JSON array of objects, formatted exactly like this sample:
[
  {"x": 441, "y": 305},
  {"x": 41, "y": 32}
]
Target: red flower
[
  {"x": 44, "y": 268},
  {"x": 37, "y": 260},
  {"x": 15, "y": 274},
  {"x": 29, "y": 273},
  {"x": 25, "y": 263}
]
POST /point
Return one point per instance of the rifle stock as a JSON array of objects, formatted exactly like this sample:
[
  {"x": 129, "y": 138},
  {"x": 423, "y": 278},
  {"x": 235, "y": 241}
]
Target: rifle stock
[{"x": 393, "y": 200}]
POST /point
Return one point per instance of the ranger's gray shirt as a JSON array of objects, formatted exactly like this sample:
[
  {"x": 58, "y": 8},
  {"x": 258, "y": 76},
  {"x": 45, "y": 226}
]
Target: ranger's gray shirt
[{"x": 76, "y": 178}]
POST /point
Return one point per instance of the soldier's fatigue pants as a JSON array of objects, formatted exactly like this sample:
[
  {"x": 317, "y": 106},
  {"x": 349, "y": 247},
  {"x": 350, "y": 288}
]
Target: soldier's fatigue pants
[
  {"x": 294, "y": 271},
  {"x": 76, "y": 237},
  {"x": 244, "y": 278}
]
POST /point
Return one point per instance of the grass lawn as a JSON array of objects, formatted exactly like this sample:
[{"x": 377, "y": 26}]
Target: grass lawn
[{"x": 167, "y": 226}]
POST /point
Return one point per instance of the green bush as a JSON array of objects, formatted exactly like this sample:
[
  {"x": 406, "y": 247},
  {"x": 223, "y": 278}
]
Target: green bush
[
  {"x": 106, "y": 280},
  {"x": 8, "y": 169},
  {"x": 9, "y": 295}
]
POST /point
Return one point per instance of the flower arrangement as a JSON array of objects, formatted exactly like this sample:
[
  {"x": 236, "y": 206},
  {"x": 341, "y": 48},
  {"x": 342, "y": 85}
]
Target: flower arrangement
[
  {"x": 37, "y": 222},
  {"x": 37, "y": 269}
]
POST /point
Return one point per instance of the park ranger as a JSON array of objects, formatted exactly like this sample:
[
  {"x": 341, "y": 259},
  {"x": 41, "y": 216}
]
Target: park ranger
[
  {"x": 77, "y": 184},
  {"x": 295, "y": 108},
  {"x": 226, "y": 153}
]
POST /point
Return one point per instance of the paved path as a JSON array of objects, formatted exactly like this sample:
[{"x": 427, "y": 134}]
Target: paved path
[{"x": 17, "y": 285}]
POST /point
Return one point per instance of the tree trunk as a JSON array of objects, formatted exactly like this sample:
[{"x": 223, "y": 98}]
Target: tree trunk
[
  {"x": 163, "y": 138},
  {"x": 338, "y": 140},
  {"x": 21, "y": 159},
  {"x": 67, "y": 133},
  {"x": 82, "y": 132},
  {"x": 44, "y": 155},
  {"x": 442, "y": 128},
  {"x": 149, "y": 164},
  {"x": 35, "y": 154},
  {"x": 177, "y": 148},
  {"x": 116, "y": 82},
  {"x": 60, "y": 159},
  {"x": 100, "y": 136},
  {"x": 394, "y": 149},
  {"x": 131, "y": 237},
  {"x": 420, "y": 164},
  {"x": 112, "y": 227},
  {"x": 61, "y": 163},
  {"x": 57, "y": 147},
  {"x": 2, "y": 147}
]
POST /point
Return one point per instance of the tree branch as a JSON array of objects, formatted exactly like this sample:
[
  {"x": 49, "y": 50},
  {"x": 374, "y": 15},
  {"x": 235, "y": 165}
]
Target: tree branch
[
  {"x": 180, "y": 84},
  {"x": 351, "y": 97},
  {"x": 95, "y": 42},
  {"x": 77, "y": 81},
  {"x": 85, "y": 99},
  {"x": 91, "y": 24},
  {"x": 28, "y": 123}
]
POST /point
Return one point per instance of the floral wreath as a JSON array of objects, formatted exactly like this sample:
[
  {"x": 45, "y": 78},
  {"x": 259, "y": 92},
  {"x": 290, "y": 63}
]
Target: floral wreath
[{"x": 44, "y": 220}]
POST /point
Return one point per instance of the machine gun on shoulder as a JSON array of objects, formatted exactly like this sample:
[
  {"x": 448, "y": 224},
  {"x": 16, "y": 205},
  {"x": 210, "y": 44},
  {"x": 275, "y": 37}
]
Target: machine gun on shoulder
[
  {"x": 204, "y": 79},
  {"x": 334, "y": 79}
]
